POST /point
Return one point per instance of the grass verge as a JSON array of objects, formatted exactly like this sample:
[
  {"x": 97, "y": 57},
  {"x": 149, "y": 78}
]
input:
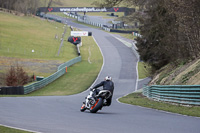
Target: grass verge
[
  {"x": 143, "y": 70},
  {"x": 139, "y": 100},
  {"x": 92, "y": 26},
  {"x": 11, "y": 130}
]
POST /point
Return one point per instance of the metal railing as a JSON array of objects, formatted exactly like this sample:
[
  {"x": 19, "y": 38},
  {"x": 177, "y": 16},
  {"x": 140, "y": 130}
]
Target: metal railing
[
  {"x": 181, "y": 94},
  {"x": 61, "y": 70}
]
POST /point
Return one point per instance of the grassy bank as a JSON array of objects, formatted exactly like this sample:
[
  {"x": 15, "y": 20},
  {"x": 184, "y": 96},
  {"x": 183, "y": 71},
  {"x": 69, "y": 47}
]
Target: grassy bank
[
  {"x": 79, "y": 76},
  {"x": 139, "y": 100},
  {"x": 143, "y": 70},
  {"x": 11, "y": 130},
  {"x": 186, "y": 73},
  {"x": 31, "y": 43},
  {"x": 20, "y": 35}
]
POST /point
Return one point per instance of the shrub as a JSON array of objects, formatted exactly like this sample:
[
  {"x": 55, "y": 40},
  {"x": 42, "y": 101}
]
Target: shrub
[{"x": 16, "y": 76}]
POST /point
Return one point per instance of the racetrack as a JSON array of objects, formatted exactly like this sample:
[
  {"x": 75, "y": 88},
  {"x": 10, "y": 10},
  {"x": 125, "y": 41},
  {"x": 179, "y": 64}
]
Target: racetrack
[{"x": 61, "y": 114}]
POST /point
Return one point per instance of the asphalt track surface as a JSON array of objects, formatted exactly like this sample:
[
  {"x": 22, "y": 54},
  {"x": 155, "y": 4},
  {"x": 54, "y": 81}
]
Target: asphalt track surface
[{"x": 61, "y": 114}]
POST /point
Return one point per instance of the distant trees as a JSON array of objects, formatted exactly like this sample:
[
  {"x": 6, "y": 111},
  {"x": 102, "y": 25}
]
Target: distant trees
[
  {"x": 170, "y": 29},
  {"x": 23, "y": 6},
  {"x": 187, "y": 15},
  {"x": 27, "y": 6}
]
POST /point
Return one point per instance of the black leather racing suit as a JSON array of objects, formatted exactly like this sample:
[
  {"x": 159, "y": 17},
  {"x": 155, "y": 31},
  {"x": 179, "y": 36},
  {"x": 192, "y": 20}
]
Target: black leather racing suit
[{"x": 107, "y": 85}]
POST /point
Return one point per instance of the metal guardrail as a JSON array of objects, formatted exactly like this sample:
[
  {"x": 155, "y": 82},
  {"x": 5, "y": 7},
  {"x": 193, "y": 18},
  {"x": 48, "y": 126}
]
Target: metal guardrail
[
  {"x": 181, "y": 94},
  {"x": 52, "y": 17},
  {"x": 61, "y": 70},
  {"x": 98, "y": 22},
  {"x": 91, "y": 21}
]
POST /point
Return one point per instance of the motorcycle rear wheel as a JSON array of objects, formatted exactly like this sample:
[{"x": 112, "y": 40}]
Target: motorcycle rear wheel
[{"x": 98, "y": 105}]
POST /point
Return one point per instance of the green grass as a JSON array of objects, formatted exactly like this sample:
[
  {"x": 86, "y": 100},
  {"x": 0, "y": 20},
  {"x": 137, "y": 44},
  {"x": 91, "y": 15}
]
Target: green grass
[
  {"x": 79, "y": 76},
  {"x": 125, "y": 35},
  {"x": 61, "y": 14},
  {"x": 92, "y": 26},
  {"x": 20, "y": 35},
  {"x": 139, "y": 100},
  {"x": 11, "y": 130},
  {"x": 143, "y": 70}
]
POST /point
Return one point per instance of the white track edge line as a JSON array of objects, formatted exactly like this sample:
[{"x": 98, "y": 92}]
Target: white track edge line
[{"x": 20, "y": 128}]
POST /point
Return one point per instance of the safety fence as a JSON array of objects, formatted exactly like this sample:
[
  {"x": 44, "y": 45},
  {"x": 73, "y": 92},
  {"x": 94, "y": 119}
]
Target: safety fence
[
  {"x": 61, "y": 70},
  {"x": 96, "y": 21},
  {"x": 181, "y": 94},
  {"x": 86, "y": 19}
]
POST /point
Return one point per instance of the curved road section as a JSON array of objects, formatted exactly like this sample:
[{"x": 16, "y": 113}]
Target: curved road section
[{"x": 60, "y": 114}]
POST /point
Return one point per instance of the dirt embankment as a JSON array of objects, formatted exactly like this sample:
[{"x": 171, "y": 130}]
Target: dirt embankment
[
  {"x": 187, "y": 74},
  {"x": 31, "y": 66}
]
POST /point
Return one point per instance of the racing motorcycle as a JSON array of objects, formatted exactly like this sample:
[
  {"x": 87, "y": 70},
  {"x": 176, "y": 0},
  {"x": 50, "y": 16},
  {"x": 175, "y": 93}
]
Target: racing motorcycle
[{"x": 95, "y": 102}]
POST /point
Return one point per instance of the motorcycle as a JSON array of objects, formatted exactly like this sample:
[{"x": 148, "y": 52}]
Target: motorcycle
[{"x": 94, "y": 102}]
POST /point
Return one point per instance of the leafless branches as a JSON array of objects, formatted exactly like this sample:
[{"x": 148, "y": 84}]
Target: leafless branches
[
  {"x": 26, "y": 6},
  {"x": 16, "y": 76}
]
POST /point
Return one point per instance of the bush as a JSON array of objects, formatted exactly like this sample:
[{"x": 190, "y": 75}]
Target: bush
[{"x": 16, "y": 76}]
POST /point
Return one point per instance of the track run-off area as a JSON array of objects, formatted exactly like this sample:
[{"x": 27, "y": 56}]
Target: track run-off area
[{"x": 61, "y": 114}]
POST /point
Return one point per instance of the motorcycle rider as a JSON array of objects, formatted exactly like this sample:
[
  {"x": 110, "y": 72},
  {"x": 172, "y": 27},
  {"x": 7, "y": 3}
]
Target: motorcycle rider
[{"x": 107, "y": 85}]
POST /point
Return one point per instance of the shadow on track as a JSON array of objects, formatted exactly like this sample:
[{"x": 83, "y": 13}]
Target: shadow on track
[{"x": 102, "y": 113}]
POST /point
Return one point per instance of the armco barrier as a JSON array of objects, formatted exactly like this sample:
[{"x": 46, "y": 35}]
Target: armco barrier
[
  {"x": 182, "y": 94},
  {"x": 61, "y": 70}
]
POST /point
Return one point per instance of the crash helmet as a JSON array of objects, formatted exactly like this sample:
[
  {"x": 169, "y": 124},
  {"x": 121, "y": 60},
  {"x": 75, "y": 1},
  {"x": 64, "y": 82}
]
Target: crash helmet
[{"x": 108, "y": 78}]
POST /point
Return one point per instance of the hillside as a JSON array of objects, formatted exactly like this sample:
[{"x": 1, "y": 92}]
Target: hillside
[
  {"x": 31, "y": 43},
  {"x": 184, "y": 74}
]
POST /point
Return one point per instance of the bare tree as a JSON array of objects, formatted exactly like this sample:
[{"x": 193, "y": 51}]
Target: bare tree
[
  {"x": 23, "y": 6},
  {"x": 11, "y": 77},
  {"x": 16, "y": 76}
]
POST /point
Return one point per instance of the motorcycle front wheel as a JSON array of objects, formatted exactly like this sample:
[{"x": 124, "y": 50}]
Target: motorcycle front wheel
[
  {"x": 98, "y": 105},
  {"x": 83, "y": 108}
]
